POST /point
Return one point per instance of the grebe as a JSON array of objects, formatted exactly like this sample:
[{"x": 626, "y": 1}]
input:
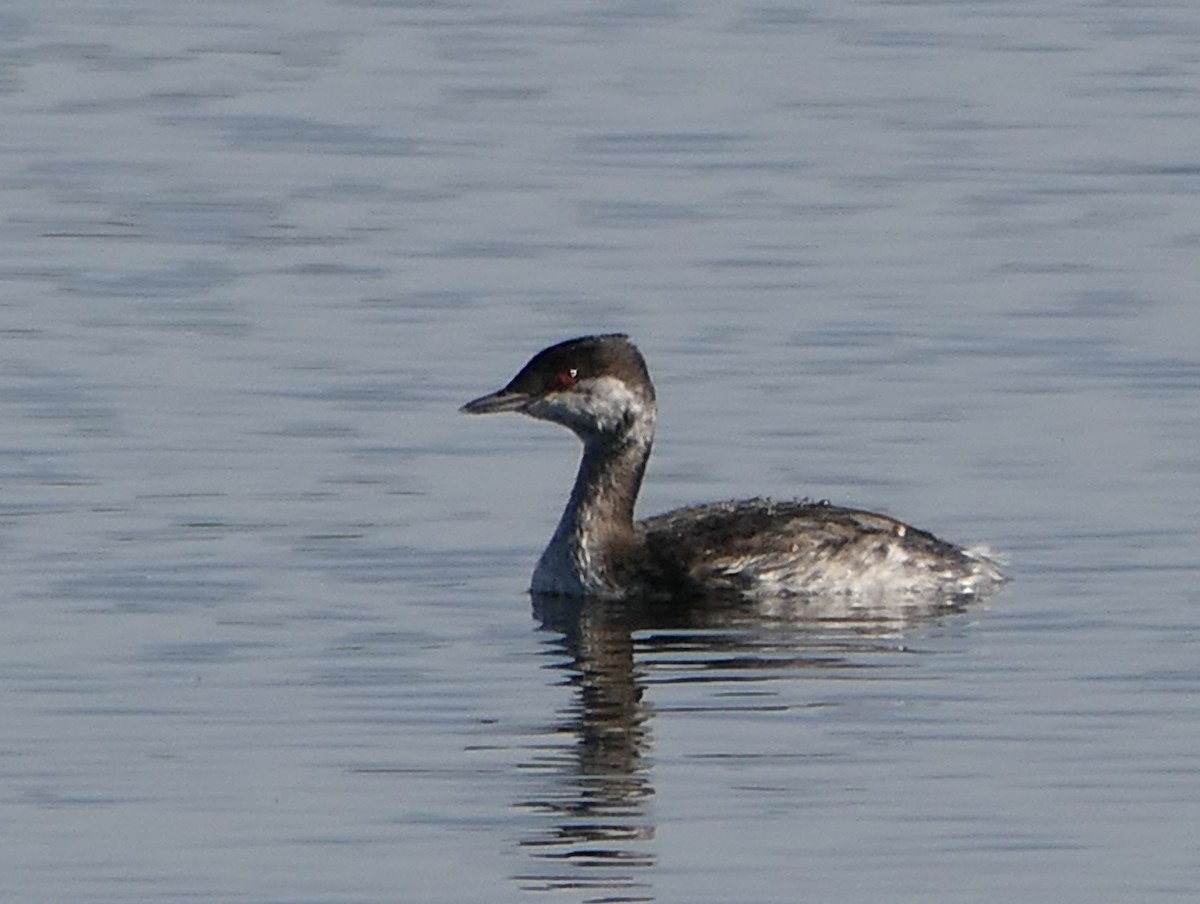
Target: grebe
[{"x": 600, "y": 388}]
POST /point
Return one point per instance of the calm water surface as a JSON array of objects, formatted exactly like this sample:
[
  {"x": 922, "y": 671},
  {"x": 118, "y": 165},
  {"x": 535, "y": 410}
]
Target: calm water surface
[{"x": 265, "y": 629}]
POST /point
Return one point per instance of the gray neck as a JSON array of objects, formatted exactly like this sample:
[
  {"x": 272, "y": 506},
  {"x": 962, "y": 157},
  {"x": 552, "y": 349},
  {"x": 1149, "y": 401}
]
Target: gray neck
[
  {"x": 595, "y": 543},
  {"x": 606, "y": 488}
]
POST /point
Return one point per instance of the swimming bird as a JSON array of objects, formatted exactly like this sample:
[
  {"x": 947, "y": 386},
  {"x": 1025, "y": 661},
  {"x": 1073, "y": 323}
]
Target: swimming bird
[{"x": 599, "y": 387}]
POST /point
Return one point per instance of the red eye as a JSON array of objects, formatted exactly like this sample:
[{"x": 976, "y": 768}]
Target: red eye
[{"x": 565, "y": 379}]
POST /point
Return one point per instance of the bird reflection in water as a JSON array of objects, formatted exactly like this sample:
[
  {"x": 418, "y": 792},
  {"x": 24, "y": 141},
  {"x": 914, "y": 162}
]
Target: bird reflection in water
[
  {"x": 598, "y": 823},
  {"x": 596, "y": 829}
]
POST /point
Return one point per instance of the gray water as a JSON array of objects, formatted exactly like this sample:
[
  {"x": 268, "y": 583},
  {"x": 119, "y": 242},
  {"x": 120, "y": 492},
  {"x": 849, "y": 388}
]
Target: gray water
[{"x": 265, "y": 635}]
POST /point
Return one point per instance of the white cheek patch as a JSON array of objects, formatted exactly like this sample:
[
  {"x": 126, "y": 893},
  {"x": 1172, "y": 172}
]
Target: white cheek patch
[{"x": 604, "y": 405}]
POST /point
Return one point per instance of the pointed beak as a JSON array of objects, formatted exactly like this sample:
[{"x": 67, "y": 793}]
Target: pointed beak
[{"x": 502, "y": 400}]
